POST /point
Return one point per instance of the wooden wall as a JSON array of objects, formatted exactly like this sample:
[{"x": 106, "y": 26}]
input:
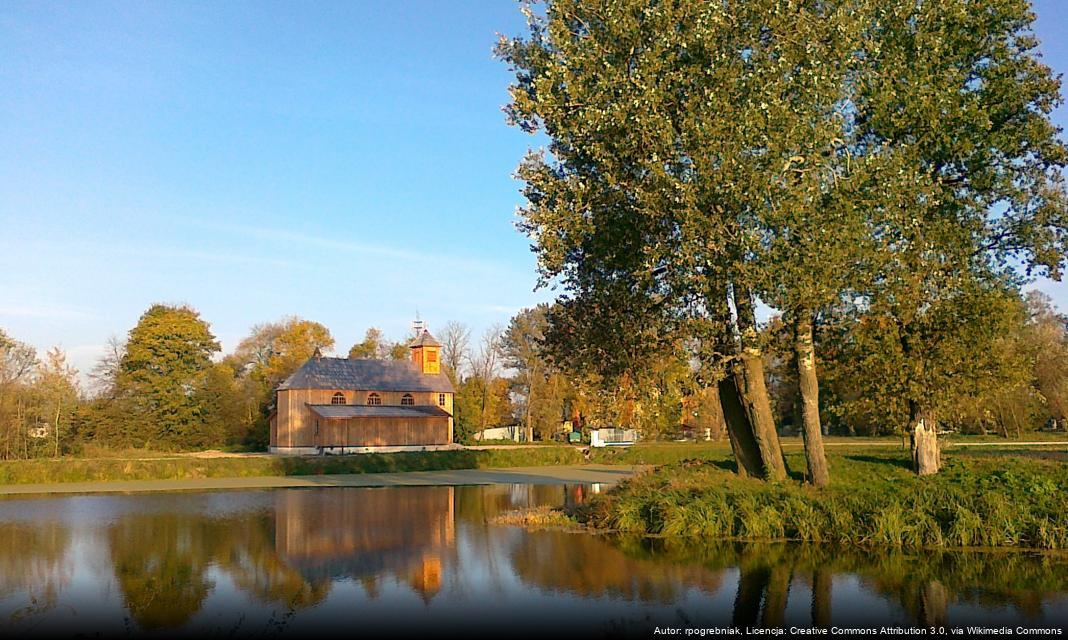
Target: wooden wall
[
  {"x": 296, "y": 422},
  {"x": 382, "y": 432}
]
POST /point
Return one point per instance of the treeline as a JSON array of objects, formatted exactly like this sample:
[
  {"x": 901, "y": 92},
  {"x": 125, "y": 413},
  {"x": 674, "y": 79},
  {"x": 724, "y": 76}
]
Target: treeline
[{"x": 167, "y": 387}]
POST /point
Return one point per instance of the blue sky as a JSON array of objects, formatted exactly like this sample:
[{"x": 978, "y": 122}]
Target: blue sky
[{"x": 347, "y": 162}]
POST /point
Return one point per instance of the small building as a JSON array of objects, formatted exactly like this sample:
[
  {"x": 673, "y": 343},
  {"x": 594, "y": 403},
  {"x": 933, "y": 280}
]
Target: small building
[
  {"x": 515, "y": 433},
  {"x": 350, "y": 405},
  {"x": 613, "y": 437}
]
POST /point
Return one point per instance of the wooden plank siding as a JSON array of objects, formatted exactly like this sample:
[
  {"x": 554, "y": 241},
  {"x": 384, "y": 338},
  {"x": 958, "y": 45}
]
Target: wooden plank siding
[
  {"x": 294, "y": 425},
  {"x": 382, "y": 432}
]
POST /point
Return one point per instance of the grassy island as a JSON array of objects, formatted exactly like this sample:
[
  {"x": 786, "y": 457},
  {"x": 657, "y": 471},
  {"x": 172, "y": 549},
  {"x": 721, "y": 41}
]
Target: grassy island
[{"x": 874, "y": 500}]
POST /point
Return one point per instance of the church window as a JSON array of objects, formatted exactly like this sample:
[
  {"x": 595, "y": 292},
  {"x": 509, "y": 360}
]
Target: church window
[
  {"x": 407, "y": 400},
  {"x": 339, "y": 398},
  {"x": 441, "y": 399},
  {"x": 374, "y": 399}
]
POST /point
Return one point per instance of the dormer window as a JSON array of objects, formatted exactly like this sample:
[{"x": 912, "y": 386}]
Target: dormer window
[
  {"x": 407, "y": 400},
  {"x": 373, "y": 399},
  {"x": 339, "y": 398}
]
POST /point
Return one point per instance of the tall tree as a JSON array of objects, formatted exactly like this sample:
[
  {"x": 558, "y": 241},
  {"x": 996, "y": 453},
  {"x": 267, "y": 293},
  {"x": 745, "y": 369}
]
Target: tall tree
[
  {"x": 167, "y": 356},
  {"x": 455, "y": 338},
  {"x": 57, "y": 386},
  {"x": 374, "y": 346},
  {"x": 17, "y": 362},
  {"x": 269, "y": 355},
  {"x": 956, "y": 95},
  {"x": 521, "y": 351},
  {"x": 486, "y": 367},
  {"x": 676, "y": 128}
]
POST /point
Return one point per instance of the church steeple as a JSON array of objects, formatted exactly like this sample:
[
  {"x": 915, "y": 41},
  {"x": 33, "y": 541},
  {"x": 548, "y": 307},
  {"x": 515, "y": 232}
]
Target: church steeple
[{"x": 426, "y": 353}]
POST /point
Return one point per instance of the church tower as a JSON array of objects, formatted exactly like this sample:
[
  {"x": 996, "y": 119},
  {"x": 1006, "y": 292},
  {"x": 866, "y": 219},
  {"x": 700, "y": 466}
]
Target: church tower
[{"x": 426, "y": 353}]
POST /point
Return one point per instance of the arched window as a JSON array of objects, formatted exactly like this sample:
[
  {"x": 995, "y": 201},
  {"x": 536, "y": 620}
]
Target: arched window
[
  {"x": 374, "y": 399},
  {"x": 407, "y": 400},
  {"x": 339, "y": 398}
]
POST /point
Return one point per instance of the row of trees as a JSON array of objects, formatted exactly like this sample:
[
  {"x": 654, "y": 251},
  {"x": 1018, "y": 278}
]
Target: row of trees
[
  {"x": 887, "y": 168},
  {"x": 166, "y": 387}
]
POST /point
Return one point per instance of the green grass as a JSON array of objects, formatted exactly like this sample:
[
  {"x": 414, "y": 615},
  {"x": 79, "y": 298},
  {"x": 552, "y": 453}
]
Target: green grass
[
  {"x": 874, "y": 500},
  {"x": 102, "y": 469}
]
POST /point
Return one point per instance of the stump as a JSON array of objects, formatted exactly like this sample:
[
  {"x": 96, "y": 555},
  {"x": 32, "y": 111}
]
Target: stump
[{"x": 925, "y": 456}]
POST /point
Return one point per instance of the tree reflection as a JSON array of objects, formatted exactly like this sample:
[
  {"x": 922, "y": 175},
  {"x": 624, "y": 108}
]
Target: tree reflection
[
  {"x": 160, "y": 564},
  {"x": 923, "y": 584},
  {"x": 33, "y": 560},
  {"x": 585, "y": 565}
]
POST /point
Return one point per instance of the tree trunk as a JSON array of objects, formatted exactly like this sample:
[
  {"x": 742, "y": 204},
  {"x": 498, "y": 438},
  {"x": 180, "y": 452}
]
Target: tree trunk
[
  {"x": 752, "y": 390},
  {"x": 925, "y": 454},
  {"x": 822, "y": 584},
  {"x": 818, "y": 473},
  {"x": 59, "y": 408},
  {"x": 776, "y": 596},
  {"x": 744, "y": 446},
  {"x": 934, "y": 603},
  {"x": 752, "y": 583}
]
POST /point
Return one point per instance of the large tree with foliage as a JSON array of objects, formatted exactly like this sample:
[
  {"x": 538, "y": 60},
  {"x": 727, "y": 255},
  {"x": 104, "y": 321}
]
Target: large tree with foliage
[
  {"x": 684, "y": 136},
  {"x": 167, "y": 357},
  {"x": 954, "y": 93},
  {"x": 705, "y": 154}
]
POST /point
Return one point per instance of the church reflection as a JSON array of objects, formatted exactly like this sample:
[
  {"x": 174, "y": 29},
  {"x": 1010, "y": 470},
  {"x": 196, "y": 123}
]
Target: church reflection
[{"x": 366, "y": 535}]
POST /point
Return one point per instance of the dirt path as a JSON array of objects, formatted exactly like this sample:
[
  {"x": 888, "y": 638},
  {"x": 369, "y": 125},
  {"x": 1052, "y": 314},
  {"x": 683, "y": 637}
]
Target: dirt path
[{"x": 586, "y": 474}]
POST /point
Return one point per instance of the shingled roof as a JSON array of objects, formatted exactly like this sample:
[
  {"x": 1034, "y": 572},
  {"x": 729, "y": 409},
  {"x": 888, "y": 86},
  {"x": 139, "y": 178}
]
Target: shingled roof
[
  {"x": 425, "y": 340},
  {"x": 365, "y": 375}
]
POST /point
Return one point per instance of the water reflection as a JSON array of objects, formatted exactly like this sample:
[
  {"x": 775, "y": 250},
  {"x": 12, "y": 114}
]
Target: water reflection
[{"x": 294, "y": 561}]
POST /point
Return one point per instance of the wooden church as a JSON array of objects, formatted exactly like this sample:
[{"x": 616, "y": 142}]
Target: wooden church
[{"x": 351, "y": 405}]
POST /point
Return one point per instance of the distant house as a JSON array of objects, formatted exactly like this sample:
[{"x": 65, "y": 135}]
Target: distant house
[{"x": 348, "y": 405}]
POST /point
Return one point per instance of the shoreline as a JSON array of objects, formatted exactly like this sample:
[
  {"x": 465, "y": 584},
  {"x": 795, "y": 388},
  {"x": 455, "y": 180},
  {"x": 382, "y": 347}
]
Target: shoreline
[{"x": 555, "y": 474}]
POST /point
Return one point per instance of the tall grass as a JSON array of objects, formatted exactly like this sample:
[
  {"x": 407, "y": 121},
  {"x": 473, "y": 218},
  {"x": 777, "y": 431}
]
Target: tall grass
[
  {"x": 90, "y": 470},
  {"x": 874, "y": 500}
]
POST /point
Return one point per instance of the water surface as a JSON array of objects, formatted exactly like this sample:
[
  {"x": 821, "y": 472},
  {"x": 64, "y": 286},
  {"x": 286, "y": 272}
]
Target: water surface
[{"x": 350, "y": 561}]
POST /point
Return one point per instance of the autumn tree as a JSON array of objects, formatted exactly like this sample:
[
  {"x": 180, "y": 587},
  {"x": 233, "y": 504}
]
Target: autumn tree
[
  {"x": 58, "y": 395},
  {"x": 17, "y": 362},
  {"x": 261, "y": 361},
  {"x": 374, "y": 346}
]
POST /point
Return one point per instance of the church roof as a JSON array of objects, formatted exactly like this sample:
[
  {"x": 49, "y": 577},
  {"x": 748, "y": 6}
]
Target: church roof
[
  {"x": 365, "y": 375},
  {"x": 343, "y": 411},
  {"x": 425, "y": 340}
]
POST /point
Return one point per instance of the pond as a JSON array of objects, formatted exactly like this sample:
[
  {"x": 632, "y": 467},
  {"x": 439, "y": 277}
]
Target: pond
[{"x": 352, "y": 561}]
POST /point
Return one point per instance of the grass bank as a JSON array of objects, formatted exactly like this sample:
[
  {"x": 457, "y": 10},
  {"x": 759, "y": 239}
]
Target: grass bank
[
  {"x": 100, "y": 469},
  {"x": 874, "y": 499}
]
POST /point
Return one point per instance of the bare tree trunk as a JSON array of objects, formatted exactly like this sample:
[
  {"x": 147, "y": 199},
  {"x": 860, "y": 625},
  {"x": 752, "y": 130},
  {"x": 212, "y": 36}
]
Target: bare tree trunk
[
  {"x": 59, "y": 408},
  {"x": 752, "y": 390},
  {"x": 925, "y": 454},
  {"x": 818, "y": 473}
]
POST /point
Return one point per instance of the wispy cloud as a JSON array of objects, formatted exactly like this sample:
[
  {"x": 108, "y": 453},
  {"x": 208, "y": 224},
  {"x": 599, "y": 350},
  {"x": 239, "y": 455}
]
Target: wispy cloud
[
  {"x": 42, "y": 312},
  {"x": 291, "y": 237}
]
